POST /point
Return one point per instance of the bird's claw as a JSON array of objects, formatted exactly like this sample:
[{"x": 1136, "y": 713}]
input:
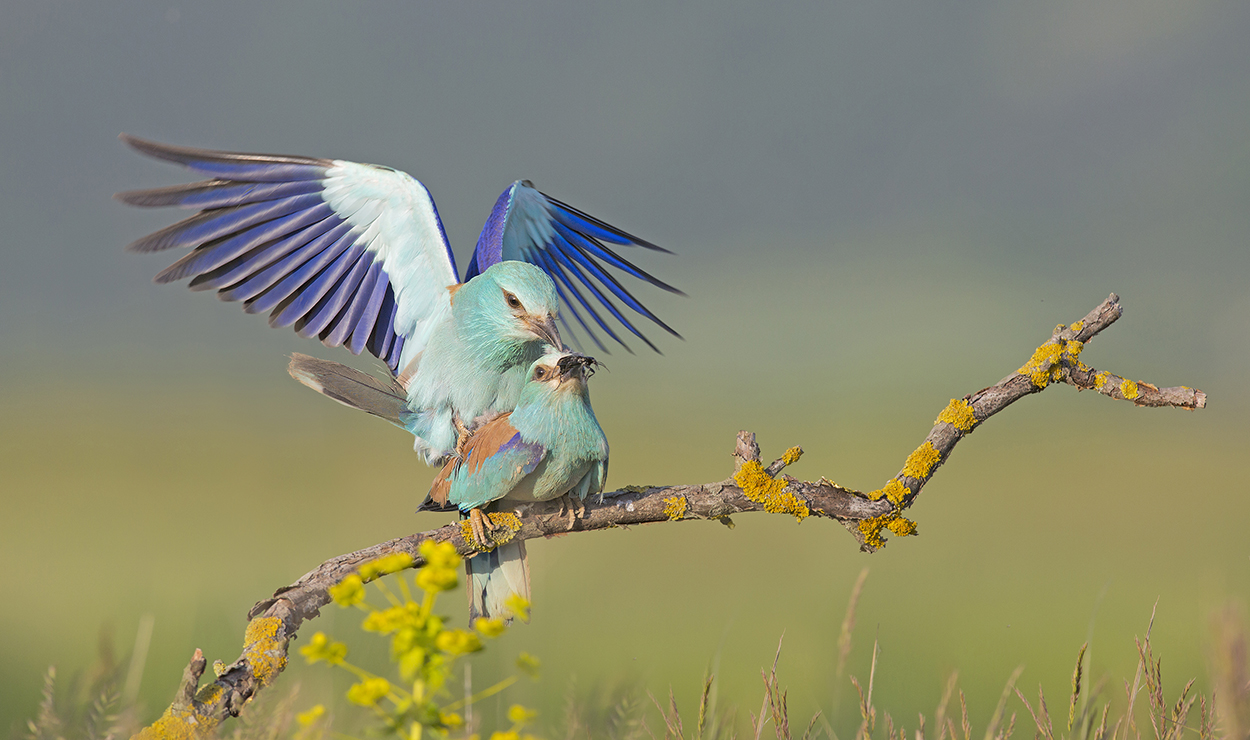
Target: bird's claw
[
  {"x": 479, "y": 524},
  {"x": 573, "y": 508},
  {"x": 462, "y": 437}
]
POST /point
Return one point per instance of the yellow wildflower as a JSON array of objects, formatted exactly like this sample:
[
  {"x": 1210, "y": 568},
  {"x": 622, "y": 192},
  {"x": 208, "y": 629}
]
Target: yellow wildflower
[
  {"x": 392, "y": 563},
  {"x": 321, "y": 647},
  {"x": 435, "y": 578},
  {"x": 312, "y": 715},
  {"x": 439, "y": 554},
  {"x": 369, "y": 692},
  {"x": 351, "y": 590},
  {"x": 489, "y": 626},
  {"x": 519, "y": 716},
  {"x": 410, "y": 661},
  {"x": 458, "y": 642},
  {"x": 450, "y": 719},
  {"x": 519, "y": 606},
  {"x": 509, "y": 735},
  {"x": 528, "y": 664},
  {"x": 384, "y": 621}
]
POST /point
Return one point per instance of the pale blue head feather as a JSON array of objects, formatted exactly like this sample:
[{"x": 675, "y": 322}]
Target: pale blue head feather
[{"x": 510, "y": 305}]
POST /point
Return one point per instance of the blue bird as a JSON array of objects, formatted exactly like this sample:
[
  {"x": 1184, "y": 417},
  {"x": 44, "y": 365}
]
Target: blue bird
[
  {"x": 549, "y": 446},
  {"x": 356, "y": 255}
]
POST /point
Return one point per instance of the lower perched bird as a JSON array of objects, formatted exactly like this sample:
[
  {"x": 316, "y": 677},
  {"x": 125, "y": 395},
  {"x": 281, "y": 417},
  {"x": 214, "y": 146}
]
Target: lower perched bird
[{"x": 549, "y": 446}]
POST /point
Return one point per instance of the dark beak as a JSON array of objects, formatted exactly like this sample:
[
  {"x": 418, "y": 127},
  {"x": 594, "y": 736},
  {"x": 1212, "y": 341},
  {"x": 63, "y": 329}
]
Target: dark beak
[{"x": 547, "y": 331}]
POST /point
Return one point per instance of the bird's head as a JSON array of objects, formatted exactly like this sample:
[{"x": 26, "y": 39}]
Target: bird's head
[
  {"x": 518, "y": 302},
  {"x": 562, "y": 372}
]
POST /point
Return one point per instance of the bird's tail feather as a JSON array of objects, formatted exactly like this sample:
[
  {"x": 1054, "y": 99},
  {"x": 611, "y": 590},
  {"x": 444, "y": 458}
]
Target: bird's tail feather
[
  {"x": 494, "y": 576},
  {"x": 385, "y": 399}
]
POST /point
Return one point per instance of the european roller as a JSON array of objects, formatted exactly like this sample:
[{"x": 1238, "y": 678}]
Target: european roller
[
  {"x": 548, "y": 446},
  {"x": 356, "y": 255}
]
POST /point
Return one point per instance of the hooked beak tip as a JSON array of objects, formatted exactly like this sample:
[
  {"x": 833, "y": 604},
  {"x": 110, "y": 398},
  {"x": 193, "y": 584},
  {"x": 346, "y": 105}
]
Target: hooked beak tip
[{"x": 547, "y": 331}]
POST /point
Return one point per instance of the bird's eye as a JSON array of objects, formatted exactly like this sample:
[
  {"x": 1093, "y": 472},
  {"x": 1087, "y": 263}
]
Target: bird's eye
[
  {"x": 513, "y": 301},
  {"x": 540, "y": 373}
]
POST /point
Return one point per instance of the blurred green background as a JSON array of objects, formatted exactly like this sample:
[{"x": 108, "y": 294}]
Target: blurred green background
[{"x": 875, "y": 207}]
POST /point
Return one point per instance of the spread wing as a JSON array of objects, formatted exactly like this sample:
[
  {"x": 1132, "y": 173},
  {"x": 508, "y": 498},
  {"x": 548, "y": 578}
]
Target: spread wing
[
  {"x": 354, "y": 254},
  {"x": 496, "y": 458},
  {"x": 572, "y": 247}
]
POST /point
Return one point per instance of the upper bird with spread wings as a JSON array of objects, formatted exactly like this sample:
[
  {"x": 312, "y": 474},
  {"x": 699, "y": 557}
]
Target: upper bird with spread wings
[{"x": 356, "y": 255}]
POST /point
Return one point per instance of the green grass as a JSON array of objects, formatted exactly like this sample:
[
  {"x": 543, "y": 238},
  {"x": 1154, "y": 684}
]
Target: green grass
[
  {"x": 101, "y": 704},
  {"x": 1060, "y": 521}
]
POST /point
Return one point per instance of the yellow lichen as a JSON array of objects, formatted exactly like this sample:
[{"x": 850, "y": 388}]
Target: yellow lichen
[
  {"x": 792, "y": 455},
  {"x": 675, "y": 507},
  {"x": 507, "y": 524},
  {"x": 174, "y": 725},
  {"x": 901, "y": 526},
  {"x": 209, "y": 694},
  {"x": 759, "y": 487},
  {"x": 1079, "y": 325},
  {"x": 891, "y": 520},
  {"x": 264, "y": 652},
  {"x": 921, "y": 461},
  {"x": 958, "y": 413},
  {"x": 1100, "y": 380},
  {"x": 895, "y": 491},
  {"x": 1129, "y": 389},
  {"x": 1039, "y": 366},
  {"x": 1047, "y": 363}
]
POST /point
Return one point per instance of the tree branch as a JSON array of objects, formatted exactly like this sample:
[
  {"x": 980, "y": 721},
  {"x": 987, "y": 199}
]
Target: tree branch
[{"x": 753, "y": 487}]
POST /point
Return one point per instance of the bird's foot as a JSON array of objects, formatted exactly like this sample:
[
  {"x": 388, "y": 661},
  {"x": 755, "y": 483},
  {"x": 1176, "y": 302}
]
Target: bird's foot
[
  {"x": 462, "y": 437},
  {"x": 572, "y": 507},
  {"x": 479, "y": 524}
]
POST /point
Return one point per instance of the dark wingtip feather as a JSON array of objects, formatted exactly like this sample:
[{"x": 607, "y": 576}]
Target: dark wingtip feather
[
  {"x": 604, "y": 225},
  {"x": 187, "y": 155}
]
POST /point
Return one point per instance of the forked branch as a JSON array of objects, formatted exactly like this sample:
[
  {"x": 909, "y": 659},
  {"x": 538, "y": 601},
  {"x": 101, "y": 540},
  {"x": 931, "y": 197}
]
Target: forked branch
[{"x": 752, "y": 487}]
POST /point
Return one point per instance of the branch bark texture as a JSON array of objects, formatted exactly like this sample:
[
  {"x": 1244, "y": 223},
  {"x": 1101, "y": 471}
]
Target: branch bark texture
[{"x": 753, "y": 486}]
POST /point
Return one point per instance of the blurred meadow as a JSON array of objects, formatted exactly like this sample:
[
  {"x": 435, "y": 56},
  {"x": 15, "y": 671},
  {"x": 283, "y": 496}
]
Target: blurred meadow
[{"x": 874, "y": 208}]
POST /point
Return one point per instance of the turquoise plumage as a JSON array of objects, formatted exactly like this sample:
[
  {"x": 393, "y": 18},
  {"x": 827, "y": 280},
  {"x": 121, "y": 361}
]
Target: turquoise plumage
[
  {"x": 475, "y": 363},
  {"x": 549, "y": 446}
]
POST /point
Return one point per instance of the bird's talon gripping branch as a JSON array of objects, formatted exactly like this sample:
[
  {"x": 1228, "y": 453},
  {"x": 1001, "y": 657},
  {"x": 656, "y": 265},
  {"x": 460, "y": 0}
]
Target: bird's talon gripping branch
[
  {"x": 572, "y": 508},
  {"x": 478, "y": 524}
]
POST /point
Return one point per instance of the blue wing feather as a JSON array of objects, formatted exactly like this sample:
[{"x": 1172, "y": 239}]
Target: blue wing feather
[
  {"x": 528, "y": 225},
  {"x": 577, "y": 315},
  {"x": 579, "y": 255},
  {"x": 292, "y": 282},
  {"x": 316, "y": 276},
  {"x": 355, "y": 254},
  {"x": 213, "y": 254},
  {"x": 324, "y": 319},
  {"x": 553, "y": 267},
  {"x": 312, "y": 238}
]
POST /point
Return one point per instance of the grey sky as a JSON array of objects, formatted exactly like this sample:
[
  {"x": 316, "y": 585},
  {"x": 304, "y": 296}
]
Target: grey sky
[{"x": 1066, "y": 127}]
